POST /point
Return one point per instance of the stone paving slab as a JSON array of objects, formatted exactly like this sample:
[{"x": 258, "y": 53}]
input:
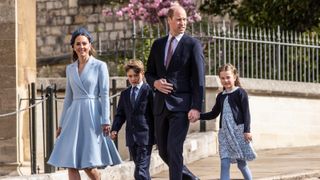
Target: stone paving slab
[{"x": 284, "y": 163}]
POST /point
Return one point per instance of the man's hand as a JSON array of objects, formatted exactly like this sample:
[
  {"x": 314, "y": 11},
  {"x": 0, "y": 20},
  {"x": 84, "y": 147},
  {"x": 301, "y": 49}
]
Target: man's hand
[
  {"x": 106, "y": 129},
  {"x": 193, "y": 115},
  {"x": 163, "y": 86}
]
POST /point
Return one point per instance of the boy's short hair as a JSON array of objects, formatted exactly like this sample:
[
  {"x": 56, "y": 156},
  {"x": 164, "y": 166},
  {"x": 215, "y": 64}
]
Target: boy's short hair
[{"x": 136, "y": 65}]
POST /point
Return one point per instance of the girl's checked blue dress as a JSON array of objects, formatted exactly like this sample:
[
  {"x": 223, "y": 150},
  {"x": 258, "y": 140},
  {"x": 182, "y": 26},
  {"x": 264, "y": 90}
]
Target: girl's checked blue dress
[
  {"x": 231, "y": 140},
  {"x": 82, "y": 143}
]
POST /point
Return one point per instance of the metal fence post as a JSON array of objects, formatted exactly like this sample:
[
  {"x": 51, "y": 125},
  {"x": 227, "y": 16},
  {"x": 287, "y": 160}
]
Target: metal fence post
[
  {"x": 224, "y": 34},
  {"x": 134, "y": 39},
  {"x": 279, "y": 52},
  {"x": 114, "y": 104},
  {"x": 55, "y": 106},
  {"x": 50, "y": 126},
  {"x": 203, "y": 123},
  {"x": 33, "y": 132}
]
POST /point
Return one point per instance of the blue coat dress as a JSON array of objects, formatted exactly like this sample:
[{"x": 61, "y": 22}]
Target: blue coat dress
[{"x": 81, "y": 143}]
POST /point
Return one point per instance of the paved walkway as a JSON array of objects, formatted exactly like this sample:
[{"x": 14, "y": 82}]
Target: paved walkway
[
  {"x": 274, "y": 164},
  {"x": 284, "y": 163}
]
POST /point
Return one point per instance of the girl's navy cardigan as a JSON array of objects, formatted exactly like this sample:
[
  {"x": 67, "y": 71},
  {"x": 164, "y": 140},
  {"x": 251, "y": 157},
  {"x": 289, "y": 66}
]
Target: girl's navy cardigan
[{"x": 239, "y": 104}]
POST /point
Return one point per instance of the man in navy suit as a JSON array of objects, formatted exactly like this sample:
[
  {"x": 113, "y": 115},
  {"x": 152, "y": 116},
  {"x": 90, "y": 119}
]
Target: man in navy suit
[
  {"x": 135, "y": 107},
  {"x": 175, "y": 70}
]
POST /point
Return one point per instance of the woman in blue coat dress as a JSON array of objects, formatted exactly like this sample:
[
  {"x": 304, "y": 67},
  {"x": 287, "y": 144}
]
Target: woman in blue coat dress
[{"x": 82, "y": 136}]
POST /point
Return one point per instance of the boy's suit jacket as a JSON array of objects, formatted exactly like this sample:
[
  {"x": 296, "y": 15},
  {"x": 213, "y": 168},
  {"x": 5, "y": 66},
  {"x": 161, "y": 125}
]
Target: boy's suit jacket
[
  {"x": 185, "y": 72},
  {"x": 139, "y": 120}
]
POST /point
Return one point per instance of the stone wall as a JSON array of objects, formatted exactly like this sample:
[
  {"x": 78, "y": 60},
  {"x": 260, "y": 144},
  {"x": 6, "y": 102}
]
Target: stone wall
[
  {"x": 8, "y": 99},
  {"x": 17, "y": 70},
  {"x": 57, "y": 19}
]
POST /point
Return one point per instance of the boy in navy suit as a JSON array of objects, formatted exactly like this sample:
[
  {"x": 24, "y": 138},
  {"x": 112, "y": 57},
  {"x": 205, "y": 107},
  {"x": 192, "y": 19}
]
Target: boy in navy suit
[{"x": 135, "y": 108}]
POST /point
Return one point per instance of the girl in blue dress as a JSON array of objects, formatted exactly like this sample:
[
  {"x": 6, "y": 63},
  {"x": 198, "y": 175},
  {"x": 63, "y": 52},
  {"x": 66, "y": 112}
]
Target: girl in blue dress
[
  {"x": 234, "y": 135},
  {"x": 82, "y": 136}
]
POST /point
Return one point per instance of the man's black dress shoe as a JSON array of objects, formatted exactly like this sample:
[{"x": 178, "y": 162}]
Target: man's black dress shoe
[{"x": 188, "y": 175}]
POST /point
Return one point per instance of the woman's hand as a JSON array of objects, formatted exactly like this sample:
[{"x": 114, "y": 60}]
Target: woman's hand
[
  {"x": 114, "y": 135},
  {"x": 106, "y": 129},
  {"x": 247, "y": 137}
]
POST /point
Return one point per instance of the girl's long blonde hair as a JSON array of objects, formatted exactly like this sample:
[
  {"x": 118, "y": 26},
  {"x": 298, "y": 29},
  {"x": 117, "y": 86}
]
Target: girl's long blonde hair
[{"x": 230, "y": 67}]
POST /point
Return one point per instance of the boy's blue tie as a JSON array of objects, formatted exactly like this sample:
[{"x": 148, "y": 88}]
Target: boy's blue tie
[{"x": 133, "y": 95}]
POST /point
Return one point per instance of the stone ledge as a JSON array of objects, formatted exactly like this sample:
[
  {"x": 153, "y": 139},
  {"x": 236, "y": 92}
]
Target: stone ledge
[
  {"x": 196, "y": 146},
  {"x": 253, "y": 86},
  {"x": 271, "y": 87}
]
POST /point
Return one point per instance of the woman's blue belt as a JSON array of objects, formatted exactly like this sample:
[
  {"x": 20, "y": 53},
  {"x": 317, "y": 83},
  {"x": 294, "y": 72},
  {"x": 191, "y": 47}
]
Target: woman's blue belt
[{"x": 86, "y": 97}]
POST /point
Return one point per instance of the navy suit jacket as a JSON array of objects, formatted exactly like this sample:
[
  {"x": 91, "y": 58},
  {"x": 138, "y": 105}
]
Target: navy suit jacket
[
  {"x": 185, "y": 72},
  {"x": 140, "y": 121}
]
